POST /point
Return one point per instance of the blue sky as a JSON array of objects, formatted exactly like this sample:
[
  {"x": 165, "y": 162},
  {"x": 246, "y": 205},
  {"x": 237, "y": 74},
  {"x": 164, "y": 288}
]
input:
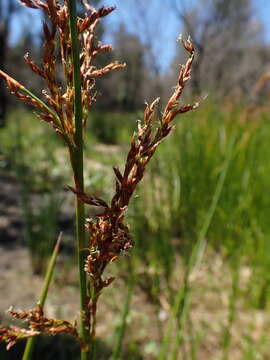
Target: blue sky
[
  {"x": 263, "y": 9},
  {"x": 160, "y": 20}
]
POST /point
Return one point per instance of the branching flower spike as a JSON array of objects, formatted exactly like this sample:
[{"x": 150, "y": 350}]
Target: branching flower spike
[
  {"x": 38, "y": 324},
  {"x": 57, "y": 109},
  {"x": 108, "y": 234}
]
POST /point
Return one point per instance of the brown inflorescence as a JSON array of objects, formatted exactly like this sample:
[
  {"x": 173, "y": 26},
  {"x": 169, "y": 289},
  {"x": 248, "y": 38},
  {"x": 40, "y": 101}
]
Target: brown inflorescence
[
  {"x": 38, "y": 324},
  {"x": 109, "y": 235},
  {"x": 59, "y": 106},
  {"x": 13, "y": 334}
]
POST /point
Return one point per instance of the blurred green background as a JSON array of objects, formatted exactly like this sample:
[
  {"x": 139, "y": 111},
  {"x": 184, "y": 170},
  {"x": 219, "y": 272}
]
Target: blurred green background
[{"x": 196, "y": 285}]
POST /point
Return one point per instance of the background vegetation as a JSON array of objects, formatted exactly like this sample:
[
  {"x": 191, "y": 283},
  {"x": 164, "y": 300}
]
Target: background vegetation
[{"x": 202, "y": 212}]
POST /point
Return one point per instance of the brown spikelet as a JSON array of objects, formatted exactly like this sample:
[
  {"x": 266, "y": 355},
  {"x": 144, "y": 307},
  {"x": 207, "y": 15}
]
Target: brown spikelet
[
  {"x": 53, "y": 8},
  {"x": 90, "y": 200},
  {"x": 34, "y": 4},
  {"x": 33, "y": 66},
  {"x": 88, "y": 21},
  {"x": 105, "y": 70},
  {"x": 13, "y": 85},
  {"x": 13, "y": 334},
  {"x": 29, "y": 3},
  {"x": 188, "y": 45},
  {"x": 17, "y": 89}
]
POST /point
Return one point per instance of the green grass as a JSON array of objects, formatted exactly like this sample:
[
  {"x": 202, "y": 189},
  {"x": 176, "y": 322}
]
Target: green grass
[
  {"x": 112, "y": 127},
  {"x": 27, "y": 153}
]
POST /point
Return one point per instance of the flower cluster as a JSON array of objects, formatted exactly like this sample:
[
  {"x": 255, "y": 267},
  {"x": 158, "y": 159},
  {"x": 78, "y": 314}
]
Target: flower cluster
[
  {"x": 59, "y": 105},
  {"x": 38, "y": 324},
  {"x": 108, "y": 234}
]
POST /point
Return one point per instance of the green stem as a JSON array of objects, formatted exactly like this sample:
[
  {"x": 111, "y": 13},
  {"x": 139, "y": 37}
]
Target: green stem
[
  {"x": 77, "y": 164},
  {"x": 48, "y": 278},
  {"x": 232, "y": 311},
  {"x": 122, "y": 328}
]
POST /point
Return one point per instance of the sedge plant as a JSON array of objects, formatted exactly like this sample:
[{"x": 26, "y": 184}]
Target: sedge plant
[{"x": 101, "y": 238}]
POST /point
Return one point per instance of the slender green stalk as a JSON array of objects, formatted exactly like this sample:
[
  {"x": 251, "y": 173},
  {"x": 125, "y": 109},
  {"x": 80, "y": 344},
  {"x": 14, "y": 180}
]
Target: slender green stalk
[
  {"x": 236, "y": 266},
  {"x": 122, "y": 328},
  {"x": 48, "y": 278},
  {"x": 77, "y": 164},
  {"x": 194, "y": 339},
  {"x": 232, "y": 310}
]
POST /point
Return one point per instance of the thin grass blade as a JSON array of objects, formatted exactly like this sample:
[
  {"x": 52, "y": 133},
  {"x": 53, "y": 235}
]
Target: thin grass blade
[
  {"x": 48, "y": 278},
  {"x": 122, "y": 328}
]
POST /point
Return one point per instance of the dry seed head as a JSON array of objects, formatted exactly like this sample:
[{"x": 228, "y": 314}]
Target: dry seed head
[
  {"x": 188, "y": 45},
  {"x": 38, "y": 324},
  {"x": 109, "y": 235},
  {"x": 61, "y": 104}
]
